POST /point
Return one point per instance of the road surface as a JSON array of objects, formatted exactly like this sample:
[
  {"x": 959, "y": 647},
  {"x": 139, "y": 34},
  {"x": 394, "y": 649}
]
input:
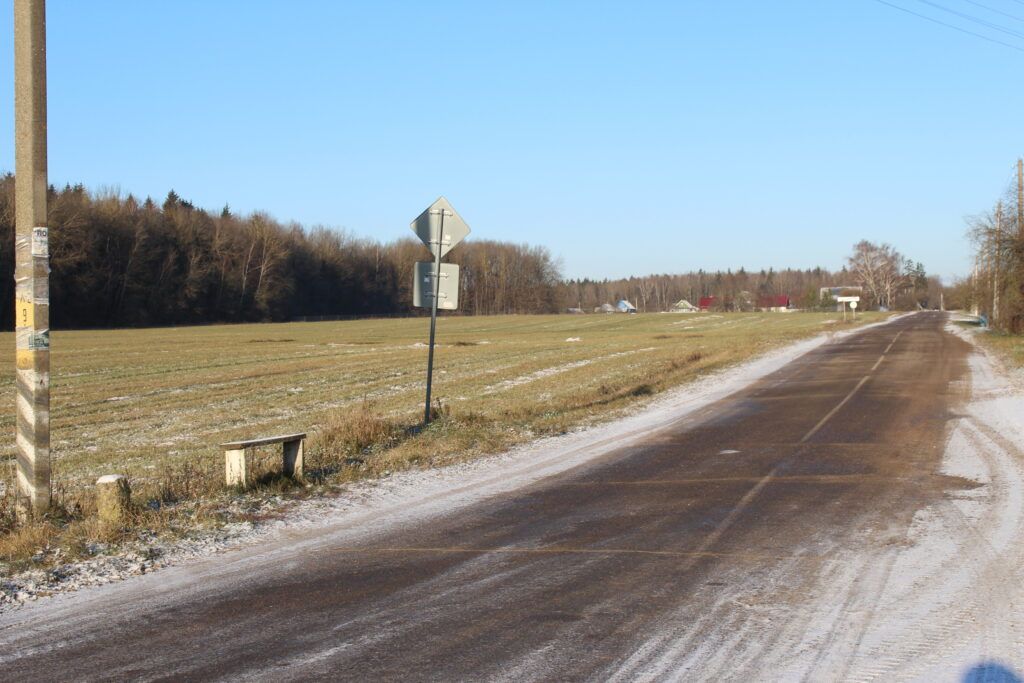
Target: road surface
[{"x": 771, "y": 535}]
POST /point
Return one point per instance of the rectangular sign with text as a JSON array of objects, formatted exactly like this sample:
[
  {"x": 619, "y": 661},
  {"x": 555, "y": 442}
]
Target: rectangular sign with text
[{"x": 423, "y": 287}]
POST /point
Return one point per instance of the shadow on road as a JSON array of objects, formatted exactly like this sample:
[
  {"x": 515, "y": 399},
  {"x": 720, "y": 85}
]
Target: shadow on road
[{"x": 991, "y": 672}]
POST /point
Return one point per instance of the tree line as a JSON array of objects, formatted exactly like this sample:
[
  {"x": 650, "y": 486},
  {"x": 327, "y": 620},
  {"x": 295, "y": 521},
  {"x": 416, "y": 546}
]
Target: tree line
[
  {"x": 731, "y": 289},
  {"x": 117, "y": 261},
  {"x": 886, "y": 277},
  {"x": 995, "y": 287}
]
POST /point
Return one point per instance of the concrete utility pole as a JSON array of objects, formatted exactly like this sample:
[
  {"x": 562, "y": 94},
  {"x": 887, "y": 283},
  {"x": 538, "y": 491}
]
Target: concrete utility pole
[
  {"x": 996, "y": 258},
  {"x": 1020, "y": 197},
  {"x": 974, "y": 289},
  {"x": 32, "y": 258}
]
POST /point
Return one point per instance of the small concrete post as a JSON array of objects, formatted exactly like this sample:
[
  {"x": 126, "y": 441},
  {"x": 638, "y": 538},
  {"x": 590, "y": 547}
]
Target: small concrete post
[
  {"x": 293, "y": 459},
  {"x": 235, "y": 466},
  {"x": 113, "y": 499}
]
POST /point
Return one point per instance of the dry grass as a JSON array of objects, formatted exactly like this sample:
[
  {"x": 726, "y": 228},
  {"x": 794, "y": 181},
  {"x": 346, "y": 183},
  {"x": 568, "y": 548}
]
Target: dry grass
[
  {"x": 154, "y": 404},
  {"x": 1010, "y": 347}
]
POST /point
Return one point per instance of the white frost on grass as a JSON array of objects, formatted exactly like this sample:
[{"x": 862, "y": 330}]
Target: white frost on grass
[{"x": 556, "y": 370}]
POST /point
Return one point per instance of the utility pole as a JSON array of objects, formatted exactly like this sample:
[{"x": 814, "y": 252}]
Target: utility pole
[
  {"x": 32, "y": 259},
  {"x": 974, "y": 289},
  {"x": 1020, "y": 197},
  {"x": 996, "y": 258}
]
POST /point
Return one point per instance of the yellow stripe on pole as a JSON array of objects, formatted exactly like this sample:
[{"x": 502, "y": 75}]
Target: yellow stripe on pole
[{"x": 25, "y": 313}]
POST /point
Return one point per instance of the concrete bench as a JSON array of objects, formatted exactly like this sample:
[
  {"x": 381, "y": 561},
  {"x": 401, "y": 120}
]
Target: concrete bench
[{"x": 238, "y": 457}]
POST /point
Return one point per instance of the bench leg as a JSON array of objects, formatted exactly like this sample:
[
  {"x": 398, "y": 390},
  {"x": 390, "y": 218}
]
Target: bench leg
[
  {"x": 236, "y": 467},
  {"x": 293, "y": 459}
]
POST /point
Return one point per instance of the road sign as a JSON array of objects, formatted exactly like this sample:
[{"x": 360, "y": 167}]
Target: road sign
[
  {"x": 851, "y": 299},
  {"x": 447, "y": 290},
  {"x": 436, "y": 284},
  {"x": 853, "y": 305},
  {"x": 427, "y": 227}
]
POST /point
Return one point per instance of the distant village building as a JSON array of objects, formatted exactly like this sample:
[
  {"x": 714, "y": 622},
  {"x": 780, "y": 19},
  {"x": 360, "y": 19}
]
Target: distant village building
[
  {"x": 745, "y": 302},
  {"x": 683, "y": 306},
  {"x": 706, "y": 303},
  {"x": 776, "y": 303},
  {"x": 605, "y": 308},
  {"x": 835, "y": 292},
  {"x": 574, "y": 311},
  {"x": 625, "y": 307},
  {"x": 846, "y": 290}
]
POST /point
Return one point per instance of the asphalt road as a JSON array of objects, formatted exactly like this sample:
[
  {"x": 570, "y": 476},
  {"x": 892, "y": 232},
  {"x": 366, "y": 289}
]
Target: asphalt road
[{"x": 609, "y": 570}]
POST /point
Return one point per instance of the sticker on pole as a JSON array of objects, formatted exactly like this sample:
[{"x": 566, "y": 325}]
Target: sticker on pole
[
  {"x": 432, "y": 232},
  {"x": 40, "y": 242},
  {"x": 447, "y": 289}
]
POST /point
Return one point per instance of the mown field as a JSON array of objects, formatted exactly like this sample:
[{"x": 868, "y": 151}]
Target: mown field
[
  {"x": 134, "y": 400},
  {"x": 155, "y": 403}
]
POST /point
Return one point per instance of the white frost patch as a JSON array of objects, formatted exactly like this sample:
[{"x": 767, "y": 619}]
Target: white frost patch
[
  {"x": 573, "y": 339},
  {"x": 556, "y": 370}
]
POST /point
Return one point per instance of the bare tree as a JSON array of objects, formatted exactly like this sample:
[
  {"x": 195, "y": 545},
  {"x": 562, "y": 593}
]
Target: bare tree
[{"x": 877, "y": 269}]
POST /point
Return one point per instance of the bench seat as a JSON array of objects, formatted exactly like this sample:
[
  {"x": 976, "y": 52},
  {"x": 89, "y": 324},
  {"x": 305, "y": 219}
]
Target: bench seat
[{"x": 238, "y": 457}]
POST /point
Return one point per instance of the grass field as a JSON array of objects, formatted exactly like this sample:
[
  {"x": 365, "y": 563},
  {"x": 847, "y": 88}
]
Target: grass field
[
  {"x": 155, "y": 403},
  {"x": 1010, "y": 347}
]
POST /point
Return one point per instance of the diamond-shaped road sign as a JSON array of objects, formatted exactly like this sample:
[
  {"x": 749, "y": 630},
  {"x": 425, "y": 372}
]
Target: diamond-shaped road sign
[
  {"x": 428, "y": 224},
  {"x": 447, "y": 289}
]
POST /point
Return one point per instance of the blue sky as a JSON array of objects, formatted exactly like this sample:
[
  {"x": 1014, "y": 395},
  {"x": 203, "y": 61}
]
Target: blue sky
[{"x": 629, "y": 138}]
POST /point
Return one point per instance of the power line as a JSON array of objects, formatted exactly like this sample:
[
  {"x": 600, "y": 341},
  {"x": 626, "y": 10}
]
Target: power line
[
  {"x": 954, "y": 27},
  {"x": 976, "y": 20},
  {"x": 993, "y": 9}
]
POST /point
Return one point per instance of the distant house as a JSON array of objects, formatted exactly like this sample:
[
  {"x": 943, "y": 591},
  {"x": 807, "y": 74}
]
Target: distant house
[
  {"x": 708, "y": 302},
  {"x": 774, "y": 303},
  {"x": 683, "y": 306},
  {"x": 625, "y": 307},
  {"x": 574, "y": 311},
  {"x": 835, "y": 292},
  {"x": 605, "y": 308}
]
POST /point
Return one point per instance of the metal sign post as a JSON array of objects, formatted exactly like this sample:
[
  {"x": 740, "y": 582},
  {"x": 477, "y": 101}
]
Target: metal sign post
[
  {"x": 440, "y": 228},
  {"x": 32, "y": 259},
  {"x": 852, "y": 300},
  {"x": 433, "y": 309}
]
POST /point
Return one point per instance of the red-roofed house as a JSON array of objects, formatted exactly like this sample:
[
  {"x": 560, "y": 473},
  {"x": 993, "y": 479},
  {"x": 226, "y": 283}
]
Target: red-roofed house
[{"x": 774, "y": 303}]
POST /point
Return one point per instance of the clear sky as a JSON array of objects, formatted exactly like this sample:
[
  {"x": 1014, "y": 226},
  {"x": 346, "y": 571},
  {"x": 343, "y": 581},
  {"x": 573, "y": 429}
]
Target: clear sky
[{"x": 629, "y": 138}]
